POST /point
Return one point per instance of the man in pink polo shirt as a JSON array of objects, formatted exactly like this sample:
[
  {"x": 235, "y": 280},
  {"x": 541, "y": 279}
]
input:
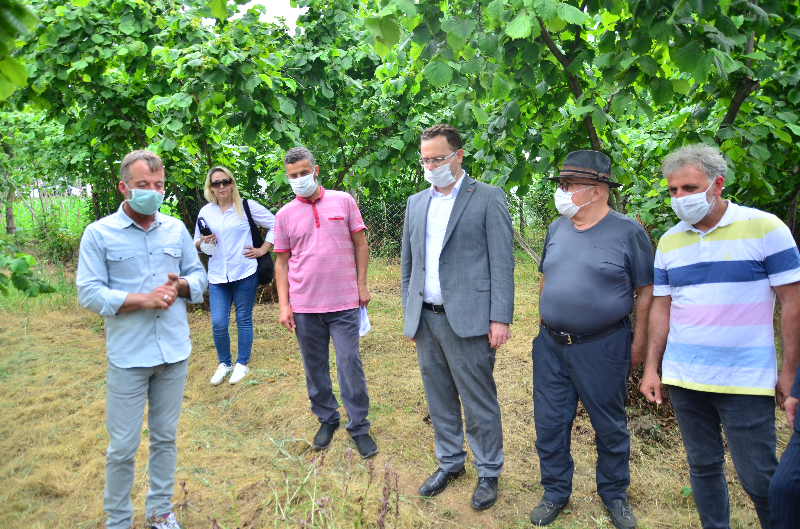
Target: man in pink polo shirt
[{"x": 321, "y": 275}]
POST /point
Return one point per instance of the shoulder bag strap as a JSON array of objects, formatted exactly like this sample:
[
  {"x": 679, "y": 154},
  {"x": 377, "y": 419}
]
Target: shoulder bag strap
[{"x": 255, "y": 232}]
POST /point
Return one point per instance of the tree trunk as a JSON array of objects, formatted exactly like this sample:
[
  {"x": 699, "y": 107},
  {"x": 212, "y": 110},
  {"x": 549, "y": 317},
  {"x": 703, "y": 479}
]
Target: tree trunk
[{"x": 11, "y": 226}]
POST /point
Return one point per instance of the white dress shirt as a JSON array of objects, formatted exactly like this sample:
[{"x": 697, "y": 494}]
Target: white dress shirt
[
  {"x": 233, "y": 233},
  {"x": 439, "y": 210}
]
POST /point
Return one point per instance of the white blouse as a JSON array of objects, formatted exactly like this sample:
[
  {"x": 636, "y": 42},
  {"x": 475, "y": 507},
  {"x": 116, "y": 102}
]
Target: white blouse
[{"x": 233, "y": 233}]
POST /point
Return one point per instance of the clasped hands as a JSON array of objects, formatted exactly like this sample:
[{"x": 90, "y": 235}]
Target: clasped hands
[{"x": 163, "y": 296}]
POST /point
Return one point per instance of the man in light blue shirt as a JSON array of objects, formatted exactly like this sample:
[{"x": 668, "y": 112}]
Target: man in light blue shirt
[{"x": 138, "y": 268}]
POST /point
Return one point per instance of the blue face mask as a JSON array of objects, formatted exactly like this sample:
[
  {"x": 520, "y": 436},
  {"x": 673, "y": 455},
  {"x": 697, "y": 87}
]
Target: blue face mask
[{"x": 145, "y": 201}]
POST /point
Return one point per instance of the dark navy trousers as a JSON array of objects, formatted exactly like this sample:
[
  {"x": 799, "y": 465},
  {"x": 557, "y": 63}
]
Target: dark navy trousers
[
  {"x": 784, "y": 491},
  {"x": 597, "y": 373}
]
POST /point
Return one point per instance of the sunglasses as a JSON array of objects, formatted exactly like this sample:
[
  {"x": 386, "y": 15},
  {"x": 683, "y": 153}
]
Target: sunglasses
[{"x": 218, "y": 183}]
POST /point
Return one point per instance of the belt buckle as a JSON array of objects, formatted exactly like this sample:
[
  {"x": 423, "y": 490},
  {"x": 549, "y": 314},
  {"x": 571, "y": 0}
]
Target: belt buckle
[
  {"x": 433, "y": 308},
  {"x": 564, "y": 335}
]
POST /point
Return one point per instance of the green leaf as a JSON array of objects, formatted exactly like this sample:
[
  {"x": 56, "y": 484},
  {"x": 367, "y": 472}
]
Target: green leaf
[
  {"x": 648, "y": 65},
  {"x": 244, "y": 103},
  {"x": 500, "y": 87},
  {"x": 167, "y": 144},
  {"x": 183, "y": 100},
  {"x": 97, "y": 38},
  {"x": 681, "y": 86},
  {"x": 480, "y": 114},
  {"x": 781, "y": 135},
  {"x": 520, "y": 27},
  {"x": 661, "y": 91},
  {"x": 759, "y": 153},
  {"x": 14, "y": 71},
  {"x": 127, "y": 24},
  {"x": 757, "y": 55},
  {"x": 219, "y": 8},
  {"x": 385, "y": 29},
  {"x": 19, "y": 266},
  {"x": 487, "y": 43},
  {"x": 794, "y": 128},
  {"x": 496, "y": 9},
  {"x": 80, "y": 3},
  {"x": 438, "y": 73},
  {"x": 546, "y": 9},
  {"x": 570, "y": 14},
  {"x": 703, "y": 67},
  {"x": 686, "y": 491},
  {"x": 685, "y": 58},
  {"x": 287, "y": 106},
  {"x": 252, "y": 82},
  {"x": 80, "y": 65}
]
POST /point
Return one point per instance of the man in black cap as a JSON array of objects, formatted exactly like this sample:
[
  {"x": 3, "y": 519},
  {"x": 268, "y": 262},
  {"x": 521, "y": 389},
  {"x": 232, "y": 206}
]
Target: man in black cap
[{"x": 594, "y": 259}]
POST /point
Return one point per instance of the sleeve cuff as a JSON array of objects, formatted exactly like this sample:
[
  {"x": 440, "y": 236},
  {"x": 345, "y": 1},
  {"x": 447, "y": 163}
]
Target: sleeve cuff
[
  {"x": 196, "y": 288},
  {"x": 270, "y": 238},
  {"x": 112, "y": 303}
]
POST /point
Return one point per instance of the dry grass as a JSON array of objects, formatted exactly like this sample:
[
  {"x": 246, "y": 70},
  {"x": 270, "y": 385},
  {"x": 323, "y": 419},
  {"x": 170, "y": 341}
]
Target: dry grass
[{"x": 239, "y": 445}]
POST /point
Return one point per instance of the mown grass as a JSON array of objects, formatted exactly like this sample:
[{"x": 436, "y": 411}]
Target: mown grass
[{"x": 243, "y": 451}]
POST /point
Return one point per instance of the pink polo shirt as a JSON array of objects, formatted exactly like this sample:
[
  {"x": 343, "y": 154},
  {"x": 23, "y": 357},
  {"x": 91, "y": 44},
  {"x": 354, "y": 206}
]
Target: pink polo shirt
[{"x": 322, "y": 264}]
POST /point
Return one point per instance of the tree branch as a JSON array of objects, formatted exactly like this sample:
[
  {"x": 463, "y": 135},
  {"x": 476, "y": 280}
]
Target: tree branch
[
  {"x": 746, "y": 87},
  {"x": 383, "y": 132},
  {"x": 573, "y": 82}
]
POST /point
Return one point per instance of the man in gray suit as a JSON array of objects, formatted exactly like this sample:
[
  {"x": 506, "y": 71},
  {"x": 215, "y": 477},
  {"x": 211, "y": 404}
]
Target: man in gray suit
[{"x": 457, "y": 278}]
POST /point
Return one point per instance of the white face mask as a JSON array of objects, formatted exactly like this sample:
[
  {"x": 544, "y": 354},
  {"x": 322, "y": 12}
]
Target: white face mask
[
  {"x": 441, "y": 176},
  {"x": 303, "y": 186},
  {"x": 564, "y": 203},
  {"x": 208, "y": 248},
  {"x": 693, "y": 208}
]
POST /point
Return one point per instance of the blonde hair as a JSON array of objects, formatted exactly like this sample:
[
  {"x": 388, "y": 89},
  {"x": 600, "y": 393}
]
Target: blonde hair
[{"x": 211, "y": 197}]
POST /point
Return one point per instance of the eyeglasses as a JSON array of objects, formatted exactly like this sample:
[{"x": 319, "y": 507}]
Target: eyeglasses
[
  {"x": 218, "y": 183},
  {"x": 564, "y": 186},
  {"x": 436, "y": 161}
]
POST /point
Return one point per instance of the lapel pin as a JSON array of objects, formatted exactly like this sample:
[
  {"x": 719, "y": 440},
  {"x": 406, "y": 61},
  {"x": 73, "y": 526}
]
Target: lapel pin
[{"x": 469, "y": 190}]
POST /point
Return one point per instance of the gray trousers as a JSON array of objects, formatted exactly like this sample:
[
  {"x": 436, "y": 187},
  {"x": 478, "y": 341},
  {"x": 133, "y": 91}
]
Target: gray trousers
[
  {"x": 126, "y": 393},
  {"x": 314, "y": 333},
  {"x": 458, "y": 371}
]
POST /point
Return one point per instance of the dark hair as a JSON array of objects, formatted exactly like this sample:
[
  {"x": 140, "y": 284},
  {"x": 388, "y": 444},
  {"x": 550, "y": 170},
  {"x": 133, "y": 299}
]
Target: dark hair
[
  {"x": 152, "y": 160},
  {"x": 295, "y": 154},
  {"x": 448, "y": 131}
]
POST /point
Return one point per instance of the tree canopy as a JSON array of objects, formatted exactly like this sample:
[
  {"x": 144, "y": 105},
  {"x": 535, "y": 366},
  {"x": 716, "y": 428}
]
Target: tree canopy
[{"x": 525, "y": 81}]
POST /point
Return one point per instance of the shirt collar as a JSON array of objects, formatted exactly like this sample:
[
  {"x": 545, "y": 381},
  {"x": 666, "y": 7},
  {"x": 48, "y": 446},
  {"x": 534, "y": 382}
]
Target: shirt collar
[
  {"x": 125, "y": 221},
  {"x": 307, "y": 201},
  {"x": 454, "y": 192},
  {"x": 727, "y": 219}
]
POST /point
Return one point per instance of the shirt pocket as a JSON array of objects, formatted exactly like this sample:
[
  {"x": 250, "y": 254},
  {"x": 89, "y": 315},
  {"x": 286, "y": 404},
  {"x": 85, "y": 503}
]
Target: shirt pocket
[
  {"x": 121, "y": 263},
  {"x": 172, "y": 260}
]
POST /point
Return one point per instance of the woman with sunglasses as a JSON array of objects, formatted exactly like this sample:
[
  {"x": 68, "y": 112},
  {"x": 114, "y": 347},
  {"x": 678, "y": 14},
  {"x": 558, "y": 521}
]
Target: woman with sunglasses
[{"x": 231, "y": 266}]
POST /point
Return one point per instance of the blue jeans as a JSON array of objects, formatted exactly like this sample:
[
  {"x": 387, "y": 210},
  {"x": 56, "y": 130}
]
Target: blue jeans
[
  {"x": 243, "y": 295},
  {"x": 784, "y": 491},
  {"x": 749, "y": 425}
]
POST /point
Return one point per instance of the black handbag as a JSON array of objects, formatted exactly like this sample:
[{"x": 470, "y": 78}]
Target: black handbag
[{"x": 266, "y": 268}]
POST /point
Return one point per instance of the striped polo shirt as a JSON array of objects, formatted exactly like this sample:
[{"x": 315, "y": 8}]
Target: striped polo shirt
[
  {"x": 322, "y": 264},
  {"x": 721, "y": 337}
]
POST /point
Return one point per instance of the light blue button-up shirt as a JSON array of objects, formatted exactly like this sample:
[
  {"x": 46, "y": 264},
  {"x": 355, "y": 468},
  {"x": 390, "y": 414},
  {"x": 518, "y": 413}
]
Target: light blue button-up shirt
[{"x": 118, "y": 257}]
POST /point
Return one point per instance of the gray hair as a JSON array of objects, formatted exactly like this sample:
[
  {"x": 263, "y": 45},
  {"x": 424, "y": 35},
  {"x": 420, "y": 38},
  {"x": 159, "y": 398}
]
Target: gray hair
[
  {"x": 702, "y": 157},
  {"x": 152, "y": 160},
  {"x": 295, "y": 154}
]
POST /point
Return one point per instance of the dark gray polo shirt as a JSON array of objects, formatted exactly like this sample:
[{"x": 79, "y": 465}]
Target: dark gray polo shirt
[{"x": 590, "y": 275}]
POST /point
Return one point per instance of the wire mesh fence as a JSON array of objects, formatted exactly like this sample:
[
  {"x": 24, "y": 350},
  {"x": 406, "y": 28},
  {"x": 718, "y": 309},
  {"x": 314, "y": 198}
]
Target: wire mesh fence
[{"x": 384, "y": 221}]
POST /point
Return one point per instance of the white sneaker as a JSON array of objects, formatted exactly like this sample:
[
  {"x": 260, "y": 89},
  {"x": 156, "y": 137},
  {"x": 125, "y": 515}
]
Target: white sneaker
[
  {"x": 239, "y": 371},
  {"x": 165, "y": 521},
  {"x": 222, "y": 372}
]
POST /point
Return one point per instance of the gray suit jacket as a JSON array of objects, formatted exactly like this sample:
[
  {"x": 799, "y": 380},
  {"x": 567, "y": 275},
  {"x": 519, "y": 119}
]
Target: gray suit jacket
[{"x": 476, "y": 267}]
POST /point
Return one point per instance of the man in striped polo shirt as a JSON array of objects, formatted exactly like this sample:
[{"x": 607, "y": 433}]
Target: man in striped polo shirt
[
  {"x": 321, "y": 276},
  {"x": 717, "y": 273}
]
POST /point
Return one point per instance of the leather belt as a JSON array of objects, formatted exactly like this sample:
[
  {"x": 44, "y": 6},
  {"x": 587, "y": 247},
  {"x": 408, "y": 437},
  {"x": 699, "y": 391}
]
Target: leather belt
[
  {"x": 565, "y": 338},
  {"x": 436, "y": 309}
]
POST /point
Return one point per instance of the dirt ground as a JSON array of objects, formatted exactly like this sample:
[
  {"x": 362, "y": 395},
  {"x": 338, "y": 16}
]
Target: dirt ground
[{"x": 243, "y": 451}]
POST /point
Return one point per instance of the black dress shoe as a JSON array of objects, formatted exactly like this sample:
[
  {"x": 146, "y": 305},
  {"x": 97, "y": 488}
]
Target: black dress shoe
[
  {"x": 366, "y": 445},
  {"x": 324, "y": 435},
  {"x": 485, "y": 494},
  {"x": 438, "y": 481}
]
